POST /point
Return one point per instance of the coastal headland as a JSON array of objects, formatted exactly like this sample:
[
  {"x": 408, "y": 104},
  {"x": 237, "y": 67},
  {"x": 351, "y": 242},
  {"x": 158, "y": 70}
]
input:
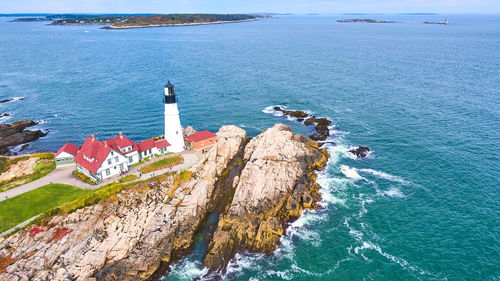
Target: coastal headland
[
  {"x": 142, "y": 21},
  {"x": 257, "y": 185}
]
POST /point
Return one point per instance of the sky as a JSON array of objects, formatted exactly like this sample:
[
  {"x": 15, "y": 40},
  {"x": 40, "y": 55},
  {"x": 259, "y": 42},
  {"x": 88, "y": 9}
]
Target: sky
[{"x": 250, "y": 6}]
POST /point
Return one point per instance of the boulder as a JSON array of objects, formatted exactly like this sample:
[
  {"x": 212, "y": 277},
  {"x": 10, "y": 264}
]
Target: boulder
[{"x": 361, "y": 151}]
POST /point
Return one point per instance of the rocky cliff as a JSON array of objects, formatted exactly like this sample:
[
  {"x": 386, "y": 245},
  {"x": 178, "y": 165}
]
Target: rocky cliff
[
  {"x": 277, "y": 182},
  {"x": 257, "y": 186},
  {"x": 126, "y": 237}
]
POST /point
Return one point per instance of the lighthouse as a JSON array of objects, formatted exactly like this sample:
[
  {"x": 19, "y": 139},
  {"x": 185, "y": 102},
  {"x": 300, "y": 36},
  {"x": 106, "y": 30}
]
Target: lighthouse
[{"x": 173, "y": 128}]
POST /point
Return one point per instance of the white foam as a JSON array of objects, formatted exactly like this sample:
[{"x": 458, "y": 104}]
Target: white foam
[
  {"x": 394, "y": 192},
  {"x": 270, "y": 110},
  {"x": 16, "y": 99},
  {"x": 350, "y": 172},
  {"x": 188, "y": 270},
  {"x": 385, "y": 176},
  {"x": 42, "y": 121}
]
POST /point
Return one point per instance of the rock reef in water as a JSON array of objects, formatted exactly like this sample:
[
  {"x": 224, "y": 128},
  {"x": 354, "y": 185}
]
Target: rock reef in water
[
  {"x": 360, "y": 151},
  {"x": 320, "y": 124},
  {"x": 15, "y": 134},
  {"x": 276, "y": 184}
]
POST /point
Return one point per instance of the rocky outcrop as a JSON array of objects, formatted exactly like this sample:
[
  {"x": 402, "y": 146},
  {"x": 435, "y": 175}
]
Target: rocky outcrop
[
  {"x": 127, "y": 236},
  {"x": 276, "y": 183},
  {"x": 16, "y": 133},
  {"x": 360, "y": 151},
  {"x": 322, "y": 132},
  {"x": 189, "y": 131}
]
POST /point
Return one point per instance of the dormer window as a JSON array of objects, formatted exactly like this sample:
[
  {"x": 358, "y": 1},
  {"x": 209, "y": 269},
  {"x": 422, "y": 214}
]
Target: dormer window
[{"x": 88, "y": 159}]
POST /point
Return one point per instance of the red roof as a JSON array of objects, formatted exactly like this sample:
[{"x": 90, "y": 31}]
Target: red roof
[
  {"x": 120, "y": 142},
  {"x": 94, "y": 150},
  {"x": 68, "y": 148},
  {"x": 146, "y": 144},
  {"x": 199, "y": 136},
  {"x": 161, "y": 144}
]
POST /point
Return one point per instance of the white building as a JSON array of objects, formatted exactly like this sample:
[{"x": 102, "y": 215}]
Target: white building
[
  {"x": 173, "y": 128},
  {"x": 66, "y": 154},
  {"x": 99, "y": 161}
]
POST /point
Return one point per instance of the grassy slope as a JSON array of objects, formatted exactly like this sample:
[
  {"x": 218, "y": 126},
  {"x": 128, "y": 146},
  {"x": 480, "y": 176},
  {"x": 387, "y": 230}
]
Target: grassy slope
[
  {"x": 22, "y": 207},
  {"x": 162, "y": 164},
  {"x": 42, "y": 168}
]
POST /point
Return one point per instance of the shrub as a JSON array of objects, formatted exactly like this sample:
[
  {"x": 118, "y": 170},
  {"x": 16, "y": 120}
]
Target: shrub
[
  {"x": 179, "y": 179},
  {"x": 46, "y": 156},
  {"x": 83, "y": 177},
  {"x": 4, "y": 164}
]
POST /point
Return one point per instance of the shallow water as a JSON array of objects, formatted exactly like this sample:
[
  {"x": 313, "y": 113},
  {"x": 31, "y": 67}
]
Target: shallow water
[{"x": 423, "y": 206}]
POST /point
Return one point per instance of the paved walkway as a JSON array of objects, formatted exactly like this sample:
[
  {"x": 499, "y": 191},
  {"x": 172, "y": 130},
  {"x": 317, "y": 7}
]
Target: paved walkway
[{"x": 63, "y": 174}]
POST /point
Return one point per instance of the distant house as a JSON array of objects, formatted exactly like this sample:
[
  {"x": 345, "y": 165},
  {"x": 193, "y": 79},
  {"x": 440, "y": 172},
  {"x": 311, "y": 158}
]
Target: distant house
[
  {"x": 201, "y": 140},
  {"x": 66, "y": 154}
]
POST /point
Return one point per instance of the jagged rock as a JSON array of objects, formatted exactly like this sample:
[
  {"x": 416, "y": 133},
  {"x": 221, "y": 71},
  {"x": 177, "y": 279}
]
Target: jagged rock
[
  {"x": 361, "y": 151},
  {"x": 15, "y": 133},
  {"x": 126, "y": 238},
  {"x": 189, "y": 131},
  {"x": 278, "y": 175}
]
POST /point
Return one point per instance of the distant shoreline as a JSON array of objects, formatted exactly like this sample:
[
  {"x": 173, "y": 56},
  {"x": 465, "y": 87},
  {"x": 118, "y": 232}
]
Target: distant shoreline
[{"x": 172, "y": 24}]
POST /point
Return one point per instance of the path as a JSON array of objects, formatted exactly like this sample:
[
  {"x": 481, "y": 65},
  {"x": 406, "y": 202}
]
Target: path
[{"x": 63, "y": 174}]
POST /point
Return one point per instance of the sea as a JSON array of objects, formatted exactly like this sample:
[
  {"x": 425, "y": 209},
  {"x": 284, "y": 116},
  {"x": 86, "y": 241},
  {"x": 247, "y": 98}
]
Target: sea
[{"x": 424, "y": 205}]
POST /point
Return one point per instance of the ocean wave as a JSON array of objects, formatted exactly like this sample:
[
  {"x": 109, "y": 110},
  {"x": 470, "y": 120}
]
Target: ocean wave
[
  {"x": 394, "y": 192},
  {"x": 385, "y": 176},
  {"x": 14, "y": 99},
  {"x": 187, "y": 270},
  {"x": 270, "y": 110},
  {"x": 351, "y": 173},
  {"x": 367, "y": 245}
]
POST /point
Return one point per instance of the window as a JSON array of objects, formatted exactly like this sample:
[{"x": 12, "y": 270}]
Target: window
[
  {"x": 107, "y": 172},
  {"x": 130, "y": 159},
  {"x": 116, "y": 159},
  {"x": 121, "y": 167},
  {"x": 109, "y": 161},
  {"x": 111, "y": 153}
]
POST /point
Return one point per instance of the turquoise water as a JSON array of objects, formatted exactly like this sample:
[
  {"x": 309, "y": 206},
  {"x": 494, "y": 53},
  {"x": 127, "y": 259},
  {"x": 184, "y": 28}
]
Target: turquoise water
[{"x": 425, "y": 98}]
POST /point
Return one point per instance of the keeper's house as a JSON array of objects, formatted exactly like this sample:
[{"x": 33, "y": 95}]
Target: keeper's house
[
  {"x": 201, "y": 140},
  {"x": 102, "y": 160}
]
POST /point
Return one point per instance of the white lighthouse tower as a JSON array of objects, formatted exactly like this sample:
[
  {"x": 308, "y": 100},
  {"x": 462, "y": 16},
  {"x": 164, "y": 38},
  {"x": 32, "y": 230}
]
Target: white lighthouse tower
[{"x": 173, "y": 128}]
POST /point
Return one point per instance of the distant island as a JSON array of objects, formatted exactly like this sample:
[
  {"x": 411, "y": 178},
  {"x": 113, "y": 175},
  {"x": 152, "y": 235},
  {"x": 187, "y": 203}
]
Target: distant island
[
  {"x": 433, "y": 22},
  {"x": 30, "y": 19},
  {"x": 139, "y": 21},
  {"x": 365, "y": 20}
]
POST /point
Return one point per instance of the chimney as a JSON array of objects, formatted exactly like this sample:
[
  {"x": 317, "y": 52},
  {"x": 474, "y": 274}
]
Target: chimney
[
  {"x": 106, "y": 143},
  {"x": 93, "y": 137},
  {"x": 121, "y": 135}
]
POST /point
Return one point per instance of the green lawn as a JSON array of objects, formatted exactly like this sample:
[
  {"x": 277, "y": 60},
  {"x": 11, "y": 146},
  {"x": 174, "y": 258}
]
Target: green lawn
[
  {"x": 128, "y": 178},
  {"x": 22, "y": 207},
  {"x": 162, "y": 164}
]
